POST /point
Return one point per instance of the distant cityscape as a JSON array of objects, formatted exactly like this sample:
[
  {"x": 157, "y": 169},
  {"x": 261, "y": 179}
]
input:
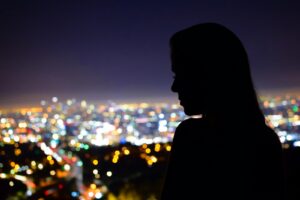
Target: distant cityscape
[{"x": 80, "y": 150}]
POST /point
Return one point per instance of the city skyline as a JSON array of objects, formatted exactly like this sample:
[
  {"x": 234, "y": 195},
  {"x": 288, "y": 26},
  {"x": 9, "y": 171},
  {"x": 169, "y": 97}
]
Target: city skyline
[{"x": 103, "y": 51}]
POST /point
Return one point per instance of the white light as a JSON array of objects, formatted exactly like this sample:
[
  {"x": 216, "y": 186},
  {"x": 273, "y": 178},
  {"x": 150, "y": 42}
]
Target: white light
[
  {"x": 6, "y": 139},
  {"x": 55, "y": 136},
  {"x": 275, "y": 124},
  {"x": 282, "y": 133},
  {"x": 161, "y": 116},
  {"x": 98, "y": 195},
  {"x": 44, "y": 120},
  {"x": 289, "y": 137},
  {"x": 282, "y": 139},
  {"x": 72, "y": 142},
  {"x": 109, "y": 173},
  {"x": 129, "y": 128},
  {"x": 119, "y": 130},
  {"x": 284, "y": 103},
  {"x": 297, "y": 144},
  {"x": 16, "y": 138},
  {"x": 157, "y": 140},
  {"x": 40, "y": 166},
  {"x": 43, "y": 102},
  {"x": 28, "y": 193},
  {"x": 54, "y": 99},
  {"x": 53, "y": 144},
  {"x": 162, "y": 129},
  {"x": 95, "y": 171},
  {"x": 67, "y": 167},
  {"x": 3, "y": 120},
  {"x": 196, "y": 116},
  {"x": 296, "y": 123},
  {"x": 126, "y": 117},
  {"x": 69, "y": 102},
  {"x": 91, "y": 194},
  {"x": 20, "y": 178},
  {"x": 3, "y": 175},
  {"x": 163, "y": 122}
]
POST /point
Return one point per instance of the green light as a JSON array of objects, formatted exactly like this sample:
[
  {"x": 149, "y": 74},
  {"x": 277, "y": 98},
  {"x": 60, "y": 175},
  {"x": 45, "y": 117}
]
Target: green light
[
  {"x": 295, "y": 108},
  {"x": 86, "y": 147}
]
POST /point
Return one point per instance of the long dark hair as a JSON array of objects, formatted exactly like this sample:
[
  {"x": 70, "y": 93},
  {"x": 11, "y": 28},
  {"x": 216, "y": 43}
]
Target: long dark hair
[{"x": 219, "y": 59}]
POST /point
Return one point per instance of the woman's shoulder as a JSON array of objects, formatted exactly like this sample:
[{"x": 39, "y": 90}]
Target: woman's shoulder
[
  {"x": 267, "y": 136},
  {"x": 272, "y": 135}
]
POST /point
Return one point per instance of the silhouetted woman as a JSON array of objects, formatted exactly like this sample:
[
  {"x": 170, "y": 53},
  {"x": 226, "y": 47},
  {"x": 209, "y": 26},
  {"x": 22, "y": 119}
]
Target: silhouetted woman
[{"x": 228, "y": 153}]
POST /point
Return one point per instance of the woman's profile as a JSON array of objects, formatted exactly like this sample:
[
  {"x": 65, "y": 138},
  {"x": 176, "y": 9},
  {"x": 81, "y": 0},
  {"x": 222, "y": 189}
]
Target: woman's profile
[{"x": 230, "y": 152}]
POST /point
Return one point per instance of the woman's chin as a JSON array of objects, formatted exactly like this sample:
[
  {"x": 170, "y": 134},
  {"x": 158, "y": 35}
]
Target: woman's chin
[{"x": 191, "y": 111}]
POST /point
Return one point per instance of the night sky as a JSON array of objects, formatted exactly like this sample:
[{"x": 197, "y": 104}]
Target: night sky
[{"x": 106, "y": 49}]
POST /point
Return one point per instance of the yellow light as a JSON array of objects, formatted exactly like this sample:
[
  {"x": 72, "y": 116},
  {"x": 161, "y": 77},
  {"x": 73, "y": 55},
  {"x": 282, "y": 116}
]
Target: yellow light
[
  {"x": 154, "y": 159},
  {"x": 148, "y": 150},
  {"x": 126, "y": 152},
  {"x": 7, "y": 125},
  {"x": 109, "y": 173},
  {"x": 49, "y": 158},
  {"x": 95, "y": 162},
  {"x": 17, "y": 167},
  {"x": 52, "y": 172},
  {"x": 22, "y": 124},
  {"x": 83, "y": 103},
  {"x": 149, "y": 162},
  {"x": 33, "y": 163},
  {"x": 117, "y": 152},
  {"x": 93, "y": 186},
  {"x": 12, "y": 164},
  {"x": 97, "y": 175},
  {"x": 168, "y": 147},
  {"x": 11, "y": 183},
  {"x": 51, "y": 162},
  {"x": 144, "y": 146},
  {"x": 157, "y": 147},
  {"x": 115, "y": 159}
]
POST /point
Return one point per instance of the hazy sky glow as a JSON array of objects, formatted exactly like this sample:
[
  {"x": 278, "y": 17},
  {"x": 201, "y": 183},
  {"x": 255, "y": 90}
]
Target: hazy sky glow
[{"x": 102, "y": 50}]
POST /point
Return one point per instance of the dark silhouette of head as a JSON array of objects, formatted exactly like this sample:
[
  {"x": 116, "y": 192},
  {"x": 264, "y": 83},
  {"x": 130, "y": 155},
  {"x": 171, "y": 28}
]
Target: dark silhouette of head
[{"x": 212, "y": 73}]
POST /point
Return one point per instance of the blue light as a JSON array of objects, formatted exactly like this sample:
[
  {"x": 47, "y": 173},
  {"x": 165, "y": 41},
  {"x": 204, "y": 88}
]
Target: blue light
[{"x": 74, "y": 194}]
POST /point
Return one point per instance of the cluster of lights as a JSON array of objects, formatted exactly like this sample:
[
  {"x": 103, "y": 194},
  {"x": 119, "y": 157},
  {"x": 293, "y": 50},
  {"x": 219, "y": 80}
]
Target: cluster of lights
[
  {"x": 56, "y": 126},
  {"x": 283, "y": 114}
]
